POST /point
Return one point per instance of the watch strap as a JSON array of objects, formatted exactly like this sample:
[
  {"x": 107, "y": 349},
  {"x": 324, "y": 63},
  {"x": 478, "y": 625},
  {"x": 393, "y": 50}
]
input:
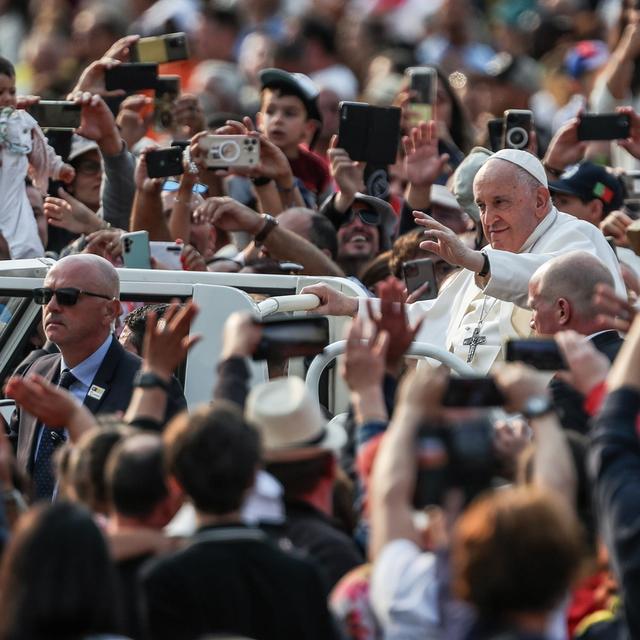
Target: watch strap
[
  {"x": 149, "y": 380},
  {"x": 261, "y": 181},
  {"x": 269, "y": 225},
  {"x": 486, "y": 267}
]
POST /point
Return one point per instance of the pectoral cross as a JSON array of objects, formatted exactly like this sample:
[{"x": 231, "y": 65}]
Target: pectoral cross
[{"x": 473, "y": 342}]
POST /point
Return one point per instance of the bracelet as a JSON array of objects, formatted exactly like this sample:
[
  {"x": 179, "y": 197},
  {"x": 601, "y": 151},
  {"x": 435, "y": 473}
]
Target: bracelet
[
  {"x": 554, "y": 172},
  {"x": 286, "y": 189},
  {"x": 270, "y": 223},
  {"x": 261, "y": 181}
]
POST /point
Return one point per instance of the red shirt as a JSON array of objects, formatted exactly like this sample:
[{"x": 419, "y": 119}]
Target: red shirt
[{"x": 312, "y": 170}]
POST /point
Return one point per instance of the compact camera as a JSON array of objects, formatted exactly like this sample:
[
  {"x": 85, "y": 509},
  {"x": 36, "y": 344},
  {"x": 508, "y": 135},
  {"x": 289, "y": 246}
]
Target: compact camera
[
  {"x": 517, "y": 128},
  {"x": 230, "y": 151}
]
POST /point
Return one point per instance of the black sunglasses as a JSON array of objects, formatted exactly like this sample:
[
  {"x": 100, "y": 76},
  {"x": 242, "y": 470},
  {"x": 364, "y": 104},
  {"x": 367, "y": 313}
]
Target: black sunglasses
[
  {"x": 67, "y": 296},
  {"x": 368, "y": 216}
]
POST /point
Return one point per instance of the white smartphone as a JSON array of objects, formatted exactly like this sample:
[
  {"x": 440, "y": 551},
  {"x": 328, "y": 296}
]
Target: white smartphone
[
  {"x": 168, "y": 254},
  {"x": 135, "y": 250}
]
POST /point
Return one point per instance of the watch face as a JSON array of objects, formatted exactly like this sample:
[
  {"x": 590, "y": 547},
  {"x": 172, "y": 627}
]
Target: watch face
[{"x": 538, "y": 405}]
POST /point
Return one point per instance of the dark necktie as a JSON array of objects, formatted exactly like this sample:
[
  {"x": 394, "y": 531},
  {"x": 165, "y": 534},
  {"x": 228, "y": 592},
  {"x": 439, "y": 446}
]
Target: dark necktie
[{"x": 43, "y": 477}]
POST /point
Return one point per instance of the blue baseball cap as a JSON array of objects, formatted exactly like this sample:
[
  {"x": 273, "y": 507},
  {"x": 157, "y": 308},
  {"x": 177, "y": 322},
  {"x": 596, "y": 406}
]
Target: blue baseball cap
[{"x": 589, "y": 181}]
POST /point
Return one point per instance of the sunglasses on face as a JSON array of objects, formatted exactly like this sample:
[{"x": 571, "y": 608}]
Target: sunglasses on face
[
  {"x": 368, "y": 216},
  {"x": 174, "y": 185},
  {"x": 66, "y": 297}
]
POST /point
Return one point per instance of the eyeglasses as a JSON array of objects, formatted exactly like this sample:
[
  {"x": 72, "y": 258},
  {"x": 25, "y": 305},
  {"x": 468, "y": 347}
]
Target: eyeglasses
[
  {"x": 174, "y": 185},
  {"x": 67, "y": 296},
  {"x": 368, "y": 216}
]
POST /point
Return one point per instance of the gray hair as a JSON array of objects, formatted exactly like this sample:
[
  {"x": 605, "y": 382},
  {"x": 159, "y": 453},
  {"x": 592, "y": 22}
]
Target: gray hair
[{"x": 573, "y": 276}]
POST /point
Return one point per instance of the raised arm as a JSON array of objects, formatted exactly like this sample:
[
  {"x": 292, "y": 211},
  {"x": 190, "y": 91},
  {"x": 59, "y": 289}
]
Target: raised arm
[{"x": 229, "y": 215}]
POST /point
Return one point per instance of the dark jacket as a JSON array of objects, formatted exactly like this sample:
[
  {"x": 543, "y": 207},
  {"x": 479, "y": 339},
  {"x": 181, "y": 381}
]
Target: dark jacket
[
  {"x": 615, "y": 473},
  {"x": 234, "y": 580},
  {"x": 567, "y": 400},
  {"x": 115, "y": 376}
]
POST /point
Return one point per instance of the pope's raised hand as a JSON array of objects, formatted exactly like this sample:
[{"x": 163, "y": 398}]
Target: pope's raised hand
[{"x": 445, "y": 243}]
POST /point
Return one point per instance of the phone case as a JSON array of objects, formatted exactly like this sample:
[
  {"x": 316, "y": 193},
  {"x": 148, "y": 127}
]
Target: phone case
[
  {"x": 369, "y": 134},
  {"x": 131, "y": 77},
  {"x": 604, "y": 126},
  {"x": 166, "y": 48},
  {"x": 416, "y": 273},
  {"x": 167, "y": 253},
  {"x": 165, "y": 163},
  {"x": 135, "y": 250}
]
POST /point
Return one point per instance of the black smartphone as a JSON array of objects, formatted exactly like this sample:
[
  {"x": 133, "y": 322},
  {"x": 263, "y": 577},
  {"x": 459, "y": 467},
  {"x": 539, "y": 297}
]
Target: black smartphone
[
  {"x": 495, "y": 127},
  {"x": 540, "y": 353},
  {"x": 472, "y": 392},
  {"x": 459, "y": 455},
  {"x": 518, "y": 124},
  {"x": 60, "y": 115},
  {"x": 418, "y": 272},
  {"x": 292, "y": 338},
  {"x": 165, "y": 163},
  {"x": 423, "y": 85},
  {"x": 54, "y": 187},
  {"x": 604, "y": 126},
  {"x": 369, "y": 134},
  {"x": 131, "y": 76},
  {"x": 60, "y": 141},
  {"x": 167, "y": 91},
  {"x": 165, "y": 48}
]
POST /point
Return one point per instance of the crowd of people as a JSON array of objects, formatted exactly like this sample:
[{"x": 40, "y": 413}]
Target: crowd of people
[{"x": 422, "y": 512}]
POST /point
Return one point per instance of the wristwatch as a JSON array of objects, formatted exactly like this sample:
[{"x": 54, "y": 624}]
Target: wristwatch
[
  {"x": 149, "y": 380},
  {"x": 269, "y": 224},
  {"x": 537, "y": 407},
  {"x": 486, "y": 267}
]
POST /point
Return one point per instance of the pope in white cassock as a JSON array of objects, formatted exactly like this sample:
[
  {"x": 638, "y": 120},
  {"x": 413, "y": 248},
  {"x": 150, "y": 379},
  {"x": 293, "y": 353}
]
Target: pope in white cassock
[{"x": 485, "y": 303}]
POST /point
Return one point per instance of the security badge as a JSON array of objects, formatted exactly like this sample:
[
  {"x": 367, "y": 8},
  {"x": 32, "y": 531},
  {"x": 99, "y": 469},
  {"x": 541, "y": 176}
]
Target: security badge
[{"x": 96, "y": 392}]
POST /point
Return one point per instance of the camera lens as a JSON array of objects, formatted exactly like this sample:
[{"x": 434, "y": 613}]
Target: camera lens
[
  {"x": 229, "y": 151},
  {"x": 517, "y": 138}
]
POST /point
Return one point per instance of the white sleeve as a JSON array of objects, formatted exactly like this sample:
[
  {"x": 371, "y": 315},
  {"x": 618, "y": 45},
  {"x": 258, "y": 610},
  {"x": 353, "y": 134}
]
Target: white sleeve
[
  {"x": 511, "y": 272},
  {"x": 404, "y": 592},
  {"x": 43, "y": 159}
]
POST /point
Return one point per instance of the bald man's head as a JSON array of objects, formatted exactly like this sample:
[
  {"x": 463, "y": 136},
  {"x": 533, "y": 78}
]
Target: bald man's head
[
  {"x": 82, "y": 307},
  {"x": 96, "y": 271},
  {"x": 561, "y": 293}
]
